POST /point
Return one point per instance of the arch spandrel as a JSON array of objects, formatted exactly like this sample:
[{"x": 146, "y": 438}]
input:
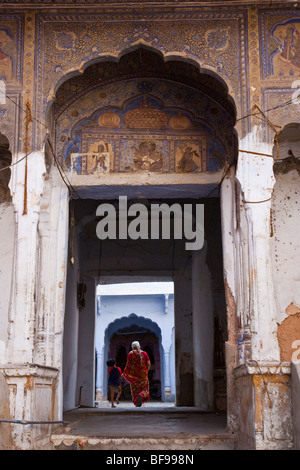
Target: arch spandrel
[{"x": 71, "y": 44}]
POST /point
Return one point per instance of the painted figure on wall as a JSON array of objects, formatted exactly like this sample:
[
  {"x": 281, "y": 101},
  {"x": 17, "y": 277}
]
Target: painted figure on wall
[
  {"x": 90, "y": 163},
  {"x": 296, "y": 50},
  {"x": 98, "y": 162},
  {"x": 190, "y": 160},
  {"x": 147, "y": 157},
  {"x": 5, "y": 60},
  {"x": 95, "y": 161},
  {"x": 286, "y": 59}
]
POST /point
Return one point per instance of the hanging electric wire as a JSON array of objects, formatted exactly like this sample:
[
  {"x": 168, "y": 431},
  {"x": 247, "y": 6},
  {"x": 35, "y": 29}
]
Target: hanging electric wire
[
  {"x": 62, "y": 171},
  {"x": 25, "y": 156},
  {"x": 71, "y": 188}
]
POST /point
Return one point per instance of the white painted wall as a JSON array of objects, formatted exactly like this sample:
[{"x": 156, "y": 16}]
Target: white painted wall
[
  {"x": 203, "y": 332},
  {"x": 286, "y": 241},
  {"x": 85, "y": 388},
  {"x": 7, "y": 231},
  {"x": 184, "y": 337},
  {"x": 70, "y": 342}
]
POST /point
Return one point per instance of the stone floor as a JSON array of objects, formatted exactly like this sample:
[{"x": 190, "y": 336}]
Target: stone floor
[{"x": 157, "y": 426}]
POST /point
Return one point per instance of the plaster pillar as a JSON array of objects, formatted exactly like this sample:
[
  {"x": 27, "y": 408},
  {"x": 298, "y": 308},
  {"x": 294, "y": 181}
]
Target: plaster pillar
[
  {"x": 255, "y": 175},
  {"x": 51, "y": 272},
  {"x": 263, "y": 396},
  {"x": 22, "y": 307}
]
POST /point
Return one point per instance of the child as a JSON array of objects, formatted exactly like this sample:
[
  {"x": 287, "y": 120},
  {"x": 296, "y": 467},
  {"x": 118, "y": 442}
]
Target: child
[{"x": 114, "y": 374}]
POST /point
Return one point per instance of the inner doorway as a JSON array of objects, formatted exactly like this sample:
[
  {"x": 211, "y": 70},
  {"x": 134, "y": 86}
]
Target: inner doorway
[
  {"x": 199, "y": 304},
  {"x": 152, "y": 325}
]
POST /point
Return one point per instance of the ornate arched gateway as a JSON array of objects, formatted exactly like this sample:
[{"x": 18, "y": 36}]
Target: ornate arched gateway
[
  {"x": 140, "y": 100},
  {"x": 147, "y": 129}
]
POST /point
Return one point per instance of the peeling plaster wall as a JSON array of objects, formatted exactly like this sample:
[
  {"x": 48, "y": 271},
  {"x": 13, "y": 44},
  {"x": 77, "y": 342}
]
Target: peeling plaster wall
[
  {"x": 286, "y": 257},
  {"x": 5, "y": 429},
  {"x": 296, "y": 403}
]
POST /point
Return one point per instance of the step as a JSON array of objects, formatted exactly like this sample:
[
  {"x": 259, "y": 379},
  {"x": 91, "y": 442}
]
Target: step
[
  {"x": 211, "y": 442},
  {"x": 143, "y": 429}
]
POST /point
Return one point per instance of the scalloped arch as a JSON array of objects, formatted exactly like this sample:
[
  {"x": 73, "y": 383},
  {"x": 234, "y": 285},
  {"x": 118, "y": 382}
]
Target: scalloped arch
[
  {"x": 165, "y": 56},
  {"x": 129, "y": 320}
]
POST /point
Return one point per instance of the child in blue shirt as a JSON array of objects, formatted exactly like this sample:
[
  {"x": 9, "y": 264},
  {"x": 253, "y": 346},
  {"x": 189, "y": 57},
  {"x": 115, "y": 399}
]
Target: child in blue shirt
[{"x": 114, "y": 375}]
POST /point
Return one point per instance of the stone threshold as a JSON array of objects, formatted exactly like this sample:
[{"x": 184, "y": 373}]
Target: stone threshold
[{"x": 203, "y": 442}]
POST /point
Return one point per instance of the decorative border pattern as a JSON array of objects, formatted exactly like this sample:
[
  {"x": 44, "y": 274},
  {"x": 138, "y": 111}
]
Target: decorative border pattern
[{"x": 215, "y": 40}]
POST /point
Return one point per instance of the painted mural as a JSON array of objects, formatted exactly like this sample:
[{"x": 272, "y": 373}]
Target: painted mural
[
  {"x": 10, "y": 48},
  {"x": 280, "y": 44},
  {"x": 11, "y": 43},
  {"x": 279, "y": 32},
  {"x": 5, "y": 59},
  {"x": 144, "y": 133},
  {"x": 287, "y": 35}
]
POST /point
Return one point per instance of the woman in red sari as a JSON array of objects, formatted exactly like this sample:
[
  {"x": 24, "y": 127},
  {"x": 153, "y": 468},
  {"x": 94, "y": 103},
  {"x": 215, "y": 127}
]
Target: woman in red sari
[{"x": 136, "y": 373}]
